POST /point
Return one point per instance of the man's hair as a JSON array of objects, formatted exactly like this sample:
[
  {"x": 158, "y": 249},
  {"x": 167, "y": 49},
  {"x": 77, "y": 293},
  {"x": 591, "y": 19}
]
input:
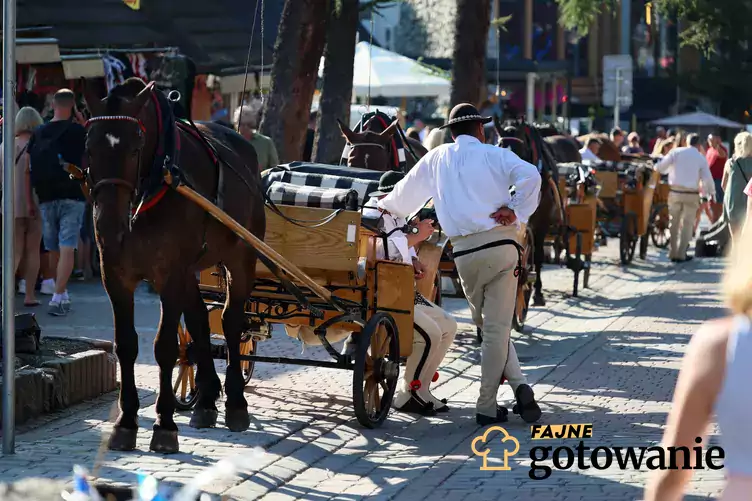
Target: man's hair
[
  {"x": 593, "y": 140},
  {"x": 248, "y": 113},
  {"x": 693, "y": 140},
  {"x": 64, "y": 96},
  {"x": 469, "y": 128},
  {"x": 616, "y": 132}
]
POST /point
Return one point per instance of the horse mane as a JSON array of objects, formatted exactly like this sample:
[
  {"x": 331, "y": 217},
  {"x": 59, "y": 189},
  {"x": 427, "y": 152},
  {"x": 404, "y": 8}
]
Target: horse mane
[
  {"x": 535, "y": 138},
  {"x": 547, "y": 129}
]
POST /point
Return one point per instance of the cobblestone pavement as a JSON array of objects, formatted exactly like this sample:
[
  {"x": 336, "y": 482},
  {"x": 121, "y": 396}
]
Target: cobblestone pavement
[{"x": 609, "y": 357}]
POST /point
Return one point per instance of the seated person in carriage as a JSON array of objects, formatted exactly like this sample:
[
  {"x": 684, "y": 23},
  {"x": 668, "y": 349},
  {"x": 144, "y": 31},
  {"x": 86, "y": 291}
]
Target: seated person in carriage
[{"x": 435, "y": 329}]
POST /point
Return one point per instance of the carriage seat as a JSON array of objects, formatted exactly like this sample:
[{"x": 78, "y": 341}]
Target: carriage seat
[
  {"x": 312, "y": 196},
  {"x": 314, "y": 179}
]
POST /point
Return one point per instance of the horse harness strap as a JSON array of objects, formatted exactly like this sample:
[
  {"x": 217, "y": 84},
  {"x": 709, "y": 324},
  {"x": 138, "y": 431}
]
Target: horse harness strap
[{"x": 491, "y": 245}]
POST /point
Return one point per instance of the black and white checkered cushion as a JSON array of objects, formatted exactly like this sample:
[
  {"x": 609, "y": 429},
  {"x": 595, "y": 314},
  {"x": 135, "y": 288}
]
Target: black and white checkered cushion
[
  {"x": 361, "y": 186},
  {"x": 311, "y": 196}
]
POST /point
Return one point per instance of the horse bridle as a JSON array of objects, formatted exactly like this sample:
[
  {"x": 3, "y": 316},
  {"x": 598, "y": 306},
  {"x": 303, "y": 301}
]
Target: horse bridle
[{"x": 116, "y": 181}]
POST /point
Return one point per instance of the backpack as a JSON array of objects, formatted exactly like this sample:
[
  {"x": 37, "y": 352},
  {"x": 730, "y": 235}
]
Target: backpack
[{"x": 45, "y": 161}]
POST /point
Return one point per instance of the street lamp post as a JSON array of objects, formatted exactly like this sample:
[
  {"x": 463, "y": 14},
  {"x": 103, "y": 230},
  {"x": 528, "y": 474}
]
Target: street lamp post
[{"x": 9, "y": 283}]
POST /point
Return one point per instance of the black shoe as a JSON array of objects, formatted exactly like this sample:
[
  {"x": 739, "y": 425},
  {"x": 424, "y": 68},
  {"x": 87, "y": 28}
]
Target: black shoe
[
  {"x": 501, "y": 417},
  {"x": 674, "y": 260},
  {"x": 443, "y": 408},
  {"x": 687, "y": 259},
  {"x": 413, "y": 406},
  {"x": 526, "y": 406}
]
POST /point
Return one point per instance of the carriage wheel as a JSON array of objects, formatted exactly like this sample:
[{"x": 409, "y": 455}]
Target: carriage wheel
[
  {"x": 184, "y": 386},
  {"x": 376, "y": 370},
  {"x": 659, "y": 229},
  {"x": 524, "y": 286},
  {"x": 248, "y": 346},
  {"x": 627, "y": 238}
]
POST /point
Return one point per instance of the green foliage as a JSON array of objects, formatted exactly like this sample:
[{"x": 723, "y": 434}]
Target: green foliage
[
  {"x": 500, "y": 23},
  {"x": 579, "y": 15}
]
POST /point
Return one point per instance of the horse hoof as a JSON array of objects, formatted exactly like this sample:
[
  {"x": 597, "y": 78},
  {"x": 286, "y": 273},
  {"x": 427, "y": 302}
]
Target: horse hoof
[
  {"x": 164, "y": 441},
  {"x": 237, "y": 419},
  {"x": 203, "y": 418},
  {"x": 539, "y": 301},
  {"x": 122, "y": 439}
]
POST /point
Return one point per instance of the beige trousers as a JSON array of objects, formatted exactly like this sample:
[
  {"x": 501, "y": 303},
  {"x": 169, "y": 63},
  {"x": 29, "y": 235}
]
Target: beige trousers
[
  {"x": 434, "y": 333},
  {"x": 682, "y": 208},
  {"x": 488, "y": 280}
]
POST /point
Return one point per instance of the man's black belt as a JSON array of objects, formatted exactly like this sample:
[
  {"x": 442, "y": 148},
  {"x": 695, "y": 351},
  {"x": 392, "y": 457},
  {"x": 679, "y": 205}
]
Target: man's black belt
[{"x": 491, "y": 245}]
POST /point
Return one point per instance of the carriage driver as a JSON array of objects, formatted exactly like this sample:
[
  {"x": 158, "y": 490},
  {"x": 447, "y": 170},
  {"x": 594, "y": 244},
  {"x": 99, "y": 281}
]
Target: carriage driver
[
  {"x": 470, "y": 183},
  {"x": 434, "y": 328}
]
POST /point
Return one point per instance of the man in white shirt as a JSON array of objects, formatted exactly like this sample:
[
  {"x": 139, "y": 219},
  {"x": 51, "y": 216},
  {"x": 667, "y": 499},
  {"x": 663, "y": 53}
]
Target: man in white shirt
[
  {"x": 435, "y": 329},
  {"x": 470, "y": 182},
  {"x": 688, "y": 172},
  {"x": 590, "y": 150}
]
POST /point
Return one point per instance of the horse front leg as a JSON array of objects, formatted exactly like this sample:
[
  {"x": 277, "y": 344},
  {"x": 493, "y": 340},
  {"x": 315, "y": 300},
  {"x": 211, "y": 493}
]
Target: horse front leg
[
  {"x": 165, "y": 436},
  {"x": 125, "y": 431},
  {"x": 207, "y": 381}
]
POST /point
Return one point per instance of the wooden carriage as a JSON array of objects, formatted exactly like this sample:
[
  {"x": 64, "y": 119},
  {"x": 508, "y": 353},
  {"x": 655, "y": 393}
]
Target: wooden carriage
[
  {"x": 369, "y": 298},
  {"x": 627, "y": 192}
]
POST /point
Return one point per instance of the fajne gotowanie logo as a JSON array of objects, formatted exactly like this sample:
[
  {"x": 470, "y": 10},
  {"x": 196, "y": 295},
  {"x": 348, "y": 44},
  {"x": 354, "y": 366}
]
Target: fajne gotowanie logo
[{"x": 499, "y": 448}]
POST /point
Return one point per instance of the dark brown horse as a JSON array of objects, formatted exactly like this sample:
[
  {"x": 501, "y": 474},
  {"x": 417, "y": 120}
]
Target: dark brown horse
[
  {"x": 377, "y": 147},
  {"x": 527, "y": 143},
  {"x": 131, "y": 137},
  {"x": 565, "y": 148}
]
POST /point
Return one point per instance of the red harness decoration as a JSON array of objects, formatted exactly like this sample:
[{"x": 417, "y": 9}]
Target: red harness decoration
[{"x": 394, "y": 146}]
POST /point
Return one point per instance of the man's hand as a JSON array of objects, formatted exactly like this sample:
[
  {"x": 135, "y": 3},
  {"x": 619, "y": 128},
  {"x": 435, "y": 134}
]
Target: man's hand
[
  {"x": 420, "y": 270},
  {"x": 425, "y": 229},
  {"x": 504, "y": 216}
]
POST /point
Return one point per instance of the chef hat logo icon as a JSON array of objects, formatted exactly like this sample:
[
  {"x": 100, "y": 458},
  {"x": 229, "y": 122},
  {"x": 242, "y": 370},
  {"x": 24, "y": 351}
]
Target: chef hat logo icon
[{"x": 482, "y": 448}]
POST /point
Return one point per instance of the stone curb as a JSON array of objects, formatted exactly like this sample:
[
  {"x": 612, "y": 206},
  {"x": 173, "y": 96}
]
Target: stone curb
[{"x": 60, "y": 383}]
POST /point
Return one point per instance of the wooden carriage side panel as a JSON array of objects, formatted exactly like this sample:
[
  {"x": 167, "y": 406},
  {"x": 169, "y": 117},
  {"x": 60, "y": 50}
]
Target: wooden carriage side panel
[
  {"x": 392, "y": 290},
  {"x": 582, "y": 218},
  {"x": 333, "y": 246},
  {"x": 609, "y": 182},
  {"x": 429, "y": 254}
]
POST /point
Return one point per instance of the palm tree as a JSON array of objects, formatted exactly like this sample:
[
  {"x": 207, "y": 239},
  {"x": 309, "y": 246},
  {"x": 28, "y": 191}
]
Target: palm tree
[{"x": 297, "y": 54}]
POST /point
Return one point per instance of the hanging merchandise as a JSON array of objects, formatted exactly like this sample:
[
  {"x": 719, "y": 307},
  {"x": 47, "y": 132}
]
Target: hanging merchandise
[
  {"x": 174, "y": 72},
  {"x": 133, "y": 4},
  {"x": 113, "y": 71},
  {"x": 138, "y": 66}
]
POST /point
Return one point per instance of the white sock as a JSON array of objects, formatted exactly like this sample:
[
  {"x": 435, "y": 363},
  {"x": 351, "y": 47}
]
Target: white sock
[
  {"x": 49, "y": 281},
  {"x": 57, "y": 298},
  {"x": 65, "y": 296}
]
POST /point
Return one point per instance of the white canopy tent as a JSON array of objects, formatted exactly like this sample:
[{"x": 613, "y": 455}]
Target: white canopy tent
[
  {"x": 389, "y": 74},
  {"x": 698, "y": 119}
]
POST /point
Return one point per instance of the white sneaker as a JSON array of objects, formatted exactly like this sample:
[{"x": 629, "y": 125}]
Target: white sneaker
[
  {"x": 48, "y": 287},
  {"x": 22, "y": 286}
]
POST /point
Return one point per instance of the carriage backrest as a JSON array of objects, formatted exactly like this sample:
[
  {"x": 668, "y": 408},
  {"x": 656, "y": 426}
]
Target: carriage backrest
[
  {"x": 312, "y": 196},
  {"x": 362, "y": 186}
]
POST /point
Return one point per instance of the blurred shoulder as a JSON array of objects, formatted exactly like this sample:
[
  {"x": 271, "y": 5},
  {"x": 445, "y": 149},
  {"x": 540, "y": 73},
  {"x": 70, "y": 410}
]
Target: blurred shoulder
[{"x": 712, "y": 337}]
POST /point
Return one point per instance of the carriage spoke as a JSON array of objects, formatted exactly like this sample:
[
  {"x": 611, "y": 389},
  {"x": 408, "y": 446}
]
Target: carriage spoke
[{"x": 181, "y": 374}]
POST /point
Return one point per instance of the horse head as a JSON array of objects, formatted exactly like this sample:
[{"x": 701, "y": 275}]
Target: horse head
[
  {"x": 121, "y": 141},
  {"x": 369, "y": 149}
]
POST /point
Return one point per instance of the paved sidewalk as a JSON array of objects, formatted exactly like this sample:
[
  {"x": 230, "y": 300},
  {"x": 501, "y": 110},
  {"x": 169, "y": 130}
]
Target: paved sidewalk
[{"x": 609, "y": 358}]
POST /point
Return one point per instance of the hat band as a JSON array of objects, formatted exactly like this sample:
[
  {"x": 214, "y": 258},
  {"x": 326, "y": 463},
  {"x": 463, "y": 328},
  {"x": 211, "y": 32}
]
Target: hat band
[{"x": 382, "y": 188}]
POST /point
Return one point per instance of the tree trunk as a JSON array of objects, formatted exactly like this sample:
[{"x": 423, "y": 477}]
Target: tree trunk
[
  {"x": 469, "y": 58},
  {"x": 336, "y": 92},
  {"x": 297, "y": 53}
]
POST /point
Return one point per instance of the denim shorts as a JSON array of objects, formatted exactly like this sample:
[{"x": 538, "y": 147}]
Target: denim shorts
[
  {"x": 718, "y": 191},
  {"x": 62, "y": 220}
]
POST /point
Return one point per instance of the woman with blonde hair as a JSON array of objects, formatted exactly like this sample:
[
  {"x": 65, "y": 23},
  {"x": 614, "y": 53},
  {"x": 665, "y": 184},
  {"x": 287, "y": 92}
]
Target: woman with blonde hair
[
  {"x": 715, "y": 377},
  {"x": 28, "y": 223},
  {"x": 737, "y": 173}
]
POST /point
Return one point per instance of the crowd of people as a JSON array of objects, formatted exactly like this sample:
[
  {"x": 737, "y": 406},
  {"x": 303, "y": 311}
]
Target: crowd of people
[{"x": 52, "y": 220}]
